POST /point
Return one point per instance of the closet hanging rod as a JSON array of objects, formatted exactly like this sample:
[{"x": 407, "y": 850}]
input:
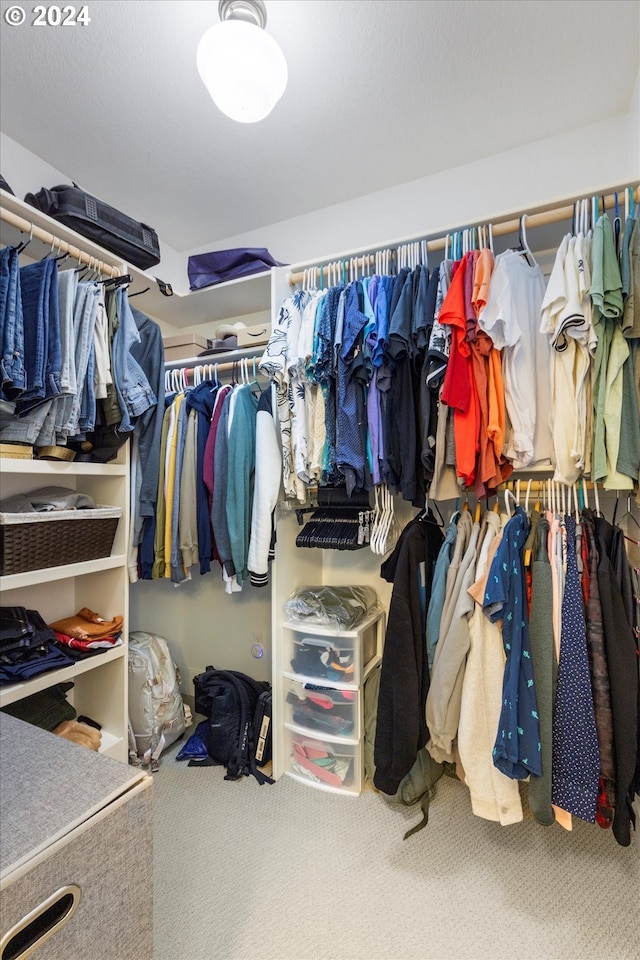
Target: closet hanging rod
[
  {"x": 37, "y": 233},
  {"x": 499, "y": 228},
  {"x": 226, "y": 356},
  {"x": 227, "y": 367}
]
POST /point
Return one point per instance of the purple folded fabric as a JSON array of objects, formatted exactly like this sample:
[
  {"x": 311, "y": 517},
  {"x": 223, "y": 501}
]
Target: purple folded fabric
[{"x": 205, "y": 269}]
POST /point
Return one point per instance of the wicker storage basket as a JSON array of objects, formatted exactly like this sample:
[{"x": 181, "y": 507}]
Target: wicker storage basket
[{"x": 33, "y": 541}]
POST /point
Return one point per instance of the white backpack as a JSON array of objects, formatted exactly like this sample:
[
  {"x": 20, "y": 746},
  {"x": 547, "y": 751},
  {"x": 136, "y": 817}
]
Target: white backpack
[{"x": 157, "y": 715}]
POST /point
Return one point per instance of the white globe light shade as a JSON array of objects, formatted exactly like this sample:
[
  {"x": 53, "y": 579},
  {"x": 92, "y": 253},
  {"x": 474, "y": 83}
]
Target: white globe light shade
[{"x": 243, "y": 68}]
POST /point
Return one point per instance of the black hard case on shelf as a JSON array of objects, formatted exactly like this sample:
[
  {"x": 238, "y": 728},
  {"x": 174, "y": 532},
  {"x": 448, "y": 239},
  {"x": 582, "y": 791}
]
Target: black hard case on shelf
[{"x": 135, "y": 242}]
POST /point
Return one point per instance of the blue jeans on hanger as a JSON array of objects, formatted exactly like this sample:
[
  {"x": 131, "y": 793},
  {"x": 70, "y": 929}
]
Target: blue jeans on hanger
[
  {"x": 84, "y": 321},
  {"x": 67, "y": 289},
  {"x": 87, "y": 419},
  {"x": 39, "y": 288},
  {"x": 11, "y": 325},
  {"x": 132, "y": 387}
]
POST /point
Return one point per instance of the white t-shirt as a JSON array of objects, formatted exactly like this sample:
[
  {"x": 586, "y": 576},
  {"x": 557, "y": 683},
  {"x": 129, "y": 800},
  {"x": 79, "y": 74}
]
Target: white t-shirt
[
  {"x": 566, "y": 320},
  {"x": 511, "y": 318}
]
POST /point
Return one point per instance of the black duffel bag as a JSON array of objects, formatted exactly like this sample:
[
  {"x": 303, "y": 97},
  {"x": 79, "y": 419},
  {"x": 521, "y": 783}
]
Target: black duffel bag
[{"x": 135, "y": 242}]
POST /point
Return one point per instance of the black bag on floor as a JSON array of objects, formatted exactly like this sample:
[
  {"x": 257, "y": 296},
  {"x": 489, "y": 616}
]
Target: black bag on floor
[
  {"x": 262, "y": 729},
  {"x": 230, "y": 699},
  {"x": 135, "y": 242}
]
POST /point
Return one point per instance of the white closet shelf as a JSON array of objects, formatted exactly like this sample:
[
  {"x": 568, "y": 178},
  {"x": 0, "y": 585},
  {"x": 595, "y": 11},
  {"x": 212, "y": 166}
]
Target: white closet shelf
[
  {"x": 110, "y": 745},
  {"x": 224, "y": 301},
  {"x": 18, "y": 691},
  {"x": 60, "y": 467},
  {"x": 64, "y": 572}
]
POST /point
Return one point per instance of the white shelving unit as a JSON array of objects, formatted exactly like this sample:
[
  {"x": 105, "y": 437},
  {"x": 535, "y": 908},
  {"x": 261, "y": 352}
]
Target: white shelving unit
[{"x": 100, "y": 682}]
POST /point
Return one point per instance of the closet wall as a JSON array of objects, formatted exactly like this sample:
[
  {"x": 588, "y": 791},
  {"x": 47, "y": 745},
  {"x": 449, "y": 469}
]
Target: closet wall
[
  {"x": 536, "y": 175},
  {"x": 202, "y": 623}
]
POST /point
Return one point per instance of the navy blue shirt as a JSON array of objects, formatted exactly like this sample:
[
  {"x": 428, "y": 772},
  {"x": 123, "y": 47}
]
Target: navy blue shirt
[{"x": 517, "y": 750}]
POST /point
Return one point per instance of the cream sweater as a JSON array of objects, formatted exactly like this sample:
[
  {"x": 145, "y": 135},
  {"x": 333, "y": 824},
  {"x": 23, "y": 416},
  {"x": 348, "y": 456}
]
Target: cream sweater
[{"x": 493, "y": 795}]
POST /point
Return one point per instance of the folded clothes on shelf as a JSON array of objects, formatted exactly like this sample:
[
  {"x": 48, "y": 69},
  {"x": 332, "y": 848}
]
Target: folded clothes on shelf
[
  {"x": 89, "y": 646},
  {"x": 87, "y": 625},
  {"x": 80, "y": 733},
  {"x": 46, "y": 499},
  {"x": 29, "y": 646},
  {"x": 46, "y": 708},
  {"x": 48, "y": 656},
  {"x": 21, "y": 631}
]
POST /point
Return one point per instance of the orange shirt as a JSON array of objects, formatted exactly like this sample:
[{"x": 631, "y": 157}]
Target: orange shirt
[
  {"x": 459, "y": 388},
  {"x": 481, "y": 279}
]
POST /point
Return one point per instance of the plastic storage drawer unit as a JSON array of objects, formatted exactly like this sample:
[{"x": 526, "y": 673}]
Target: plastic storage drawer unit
[
  {"x": 329, "y": 654},
  {"x": 323, "y": 764},
  {"x": 323, "y": 711}
]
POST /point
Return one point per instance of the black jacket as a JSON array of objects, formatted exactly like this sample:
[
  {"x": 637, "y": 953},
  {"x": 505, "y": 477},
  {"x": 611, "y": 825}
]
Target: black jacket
[
  {"x": 401, "y": 728},
  {"x": 622, "y": 663}
]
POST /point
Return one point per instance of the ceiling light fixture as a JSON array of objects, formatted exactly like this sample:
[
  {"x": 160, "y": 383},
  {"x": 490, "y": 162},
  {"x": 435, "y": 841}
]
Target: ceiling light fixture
[{"x": 241, "y": 65}]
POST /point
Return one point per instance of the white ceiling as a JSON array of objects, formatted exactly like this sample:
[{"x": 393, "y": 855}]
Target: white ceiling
[{"x": 379, "y": 93}]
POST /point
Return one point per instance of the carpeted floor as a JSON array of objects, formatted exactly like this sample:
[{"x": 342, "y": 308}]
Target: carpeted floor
[{"x": 244, "y": 872}]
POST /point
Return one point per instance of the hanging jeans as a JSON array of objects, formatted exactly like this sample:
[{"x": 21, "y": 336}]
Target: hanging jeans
[
  {"x": 23, "y": 421},
  {"x": 11, "y": 325},
  {"x": 39, "y": 289},
  {"x": 84, "y": 321},
  {"x": 67, "y": 289}
]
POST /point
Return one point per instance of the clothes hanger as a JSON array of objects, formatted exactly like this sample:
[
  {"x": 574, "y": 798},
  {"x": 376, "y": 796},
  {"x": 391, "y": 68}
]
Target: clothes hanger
[
  {"x": 61, "y": 257},
  {"x": 526, "y": 499},
  {"x": 25, "y": 244},
  {"x": 575, "y": 502},
  {"x": 508, "y": 494},
  {"x": 616, "y": 222},
  {"x": 49, "y": 255},
  {"x": 373, "y": 534},
  {"x": 523, "y": 246},
  {"x": 379, "y": 518},
  {"x": 425, "y": 518},
  {"x": 627, "y": 513},
  {"x": 584, "y": 217}
]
